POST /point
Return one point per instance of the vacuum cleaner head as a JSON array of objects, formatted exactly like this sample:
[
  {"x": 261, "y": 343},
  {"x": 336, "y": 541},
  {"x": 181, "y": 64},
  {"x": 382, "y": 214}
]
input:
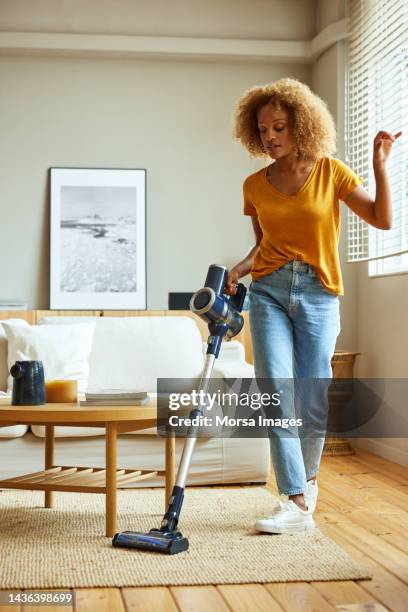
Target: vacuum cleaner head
[{"x": 168, "y": 543}]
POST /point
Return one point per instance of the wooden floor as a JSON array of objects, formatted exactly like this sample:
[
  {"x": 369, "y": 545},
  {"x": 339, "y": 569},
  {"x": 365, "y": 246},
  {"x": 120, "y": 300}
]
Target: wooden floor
[{"x": 363, "y": 506}]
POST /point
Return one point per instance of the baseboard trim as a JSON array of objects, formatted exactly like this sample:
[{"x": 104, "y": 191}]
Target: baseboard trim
[{"x": 378, "y": 447}]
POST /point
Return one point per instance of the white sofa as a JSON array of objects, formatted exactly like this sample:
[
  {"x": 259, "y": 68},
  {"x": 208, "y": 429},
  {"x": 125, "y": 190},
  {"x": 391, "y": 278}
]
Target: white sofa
[{"x": 129, "y": 349}]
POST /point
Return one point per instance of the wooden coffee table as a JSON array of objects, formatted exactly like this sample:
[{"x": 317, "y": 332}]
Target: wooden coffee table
[{"x": 115, "y": 419}]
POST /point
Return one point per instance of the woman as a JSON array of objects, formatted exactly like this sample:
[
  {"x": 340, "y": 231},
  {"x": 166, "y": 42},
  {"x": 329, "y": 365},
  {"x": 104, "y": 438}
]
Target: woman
[{"x": 296, "y": 278}]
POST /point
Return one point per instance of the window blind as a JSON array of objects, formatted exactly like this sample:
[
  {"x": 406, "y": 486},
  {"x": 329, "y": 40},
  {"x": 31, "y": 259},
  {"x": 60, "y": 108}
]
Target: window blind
[{"x": 377, "y": 99}]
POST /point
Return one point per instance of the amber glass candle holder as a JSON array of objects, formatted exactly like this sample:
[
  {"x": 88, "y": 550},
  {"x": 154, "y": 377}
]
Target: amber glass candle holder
[{"x": 61, "y": 391}]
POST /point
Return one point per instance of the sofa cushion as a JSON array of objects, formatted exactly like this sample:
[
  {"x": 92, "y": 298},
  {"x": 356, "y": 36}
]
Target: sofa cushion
[
  {"x": 13, "y": 431},
  {"x": 215, "y": 460},
  {"x": 64, "y": 350},
  {"x": 231, "y": 351},
  {"x": 3, "y": 351},
  {"x": 132, "y": 352}
]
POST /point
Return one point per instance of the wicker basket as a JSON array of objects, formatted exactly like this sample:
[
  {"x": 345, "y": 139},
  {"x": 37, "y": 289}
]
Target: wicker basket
[{"x": 343, "y": 368}]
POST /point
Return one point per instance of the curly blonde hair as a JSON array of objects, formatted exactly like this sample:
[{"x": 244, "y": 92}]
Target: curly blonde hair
[{"x": 312, "y": 125}]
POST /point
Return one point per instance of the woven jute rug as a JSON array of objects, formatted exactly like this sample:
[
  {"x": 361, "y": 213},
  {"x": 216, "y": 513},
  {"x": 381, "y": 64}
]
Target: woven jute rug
[{"x": 64, "y": 546}]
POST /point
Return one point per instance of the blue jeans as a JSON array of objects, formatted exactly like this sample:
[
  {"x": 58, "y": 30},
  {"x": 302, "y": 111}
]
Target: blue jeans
[{"x": 294, "y": 322}]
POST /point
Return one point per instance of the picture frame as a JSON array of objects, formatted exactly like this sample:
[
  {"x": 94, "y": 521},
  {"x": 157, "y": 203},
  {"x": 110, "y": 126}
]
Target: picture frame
[{"x": 97, "y": 239}]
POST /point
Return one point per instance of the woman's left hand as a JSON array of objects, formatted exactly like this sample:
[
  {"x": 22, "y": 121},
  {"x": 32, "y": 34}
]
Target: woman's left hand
[{"x": 383, "y": 145}]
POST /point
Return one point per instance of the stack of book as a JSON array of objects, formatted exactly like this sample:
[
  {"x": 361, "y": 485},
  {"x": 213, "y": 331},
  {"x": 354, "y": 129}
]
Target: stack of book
[{"x": 115, "y": 397}]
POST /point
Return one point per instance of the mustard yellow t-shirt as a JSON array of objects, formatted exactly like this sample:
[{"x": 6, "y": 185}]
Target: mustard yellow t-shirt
[{"x": 304, "y": 226}]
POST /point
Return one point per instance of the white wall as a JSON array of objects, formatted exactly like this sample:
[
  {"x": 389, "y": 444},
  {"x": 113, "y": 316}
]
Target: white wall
[
  {"x": 329, "y": 11},
  {"x": 172, "y": 118},
  {"x": 383, "y": 340},
  {"x": 328, "y": 82},
  {"x": 254, "y": 19}
]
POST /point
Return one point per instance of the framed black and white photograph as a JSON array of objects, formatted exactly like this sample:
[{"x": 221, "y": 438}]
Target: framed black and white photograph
[{"x": 98, "y": 239}]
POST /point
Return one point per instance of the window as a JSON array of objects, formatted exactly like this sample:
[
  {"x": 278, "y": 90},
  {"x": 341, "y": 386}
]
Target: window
[{"x": 377, "y": 99}]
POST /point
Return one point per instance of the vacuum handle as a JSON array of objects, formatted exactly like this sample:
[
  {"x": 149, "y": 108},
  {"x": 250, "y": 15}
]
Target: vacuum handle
[{"x": 237, "y": 300}]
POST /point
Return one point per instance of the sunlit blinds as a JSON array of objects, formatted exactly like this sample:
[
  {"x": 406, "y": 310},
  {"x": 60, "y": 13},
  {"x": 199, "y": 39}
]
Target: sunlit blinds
[{"x": 377, "y": 99}]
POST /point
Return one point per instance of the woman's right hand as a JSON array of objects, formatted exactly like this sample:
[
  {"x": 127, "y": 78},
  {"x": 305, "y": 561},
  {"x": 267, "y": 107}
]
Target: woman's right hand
[{"x": 232, "y": 282}]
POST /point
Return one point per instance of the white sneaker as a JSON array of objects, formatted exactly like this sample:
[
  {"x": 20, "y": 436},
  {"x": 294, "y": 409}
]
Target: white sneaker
[
  {"x": 287, "y": 518},
  {"x": 311, "y": 495}
]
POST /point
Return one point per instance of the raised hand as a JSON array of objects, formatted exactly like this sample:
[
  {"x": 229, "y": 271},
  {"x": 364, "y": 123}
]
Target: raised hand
[{"x": 382, "y": 146}]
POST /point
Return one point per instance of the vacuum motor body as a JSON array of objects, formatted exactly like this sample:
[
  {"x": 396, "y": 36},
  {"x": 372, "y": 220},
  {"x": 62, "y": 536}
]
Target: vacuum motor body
[{"x": 221, "y": 312}]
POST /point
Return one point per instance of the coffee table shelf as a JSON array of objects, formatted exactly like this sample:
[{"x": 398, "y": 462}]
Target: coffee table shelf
[{"x": 75, "y": 479}]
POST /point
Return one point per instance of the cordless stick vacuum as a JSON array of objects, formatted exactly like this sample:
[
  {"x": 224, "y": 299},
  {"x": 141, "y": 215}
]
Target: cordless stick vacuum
[{"x": 221, "y": 312}]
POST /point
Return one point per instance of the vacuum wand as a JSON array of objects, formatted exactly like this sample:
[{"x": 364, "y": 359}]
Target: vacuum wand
[{"x": 222, "y": 313}]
